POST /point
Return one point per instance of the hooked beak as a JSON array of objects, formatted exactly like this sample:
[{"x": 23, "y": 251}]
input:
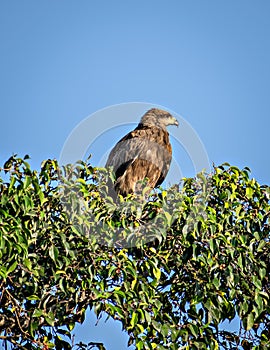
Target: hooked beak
[{"x": 175, "y": 122}]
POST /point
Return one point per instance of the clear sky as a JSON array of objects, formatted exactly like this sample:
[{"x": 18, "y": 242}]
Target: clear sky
[{"x": 207, "y": 60}]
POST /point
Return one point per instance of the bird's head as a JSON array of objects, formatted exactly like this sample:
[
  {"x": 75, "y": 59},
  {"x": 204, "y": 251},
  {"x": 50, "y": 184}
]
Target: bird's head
[{"x": 158, "y": 117}]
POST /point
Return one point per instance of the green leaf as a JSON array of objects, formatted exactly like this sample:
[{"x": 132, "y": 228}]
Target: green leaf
[
  {"x": 250, "y": 321},
  {"x": 53, "y": 252},
  {"x": 157, "y": 273},
  {"x": 33, "y": 297},
  {"x": 71, "y": 326},
  {"x": 50, "y": 319},
  {"x": 37, "y": 313},
  {"x": 216, "y": 282},
  {"x": 28, "y": 264},
  {"x": 134, "y": 319},
  {"x": 194, "y": 330},
  {"x": 12, "y": 267},
  {"x": 249, "y": 192},
  {"x": 157, "y": 325}
]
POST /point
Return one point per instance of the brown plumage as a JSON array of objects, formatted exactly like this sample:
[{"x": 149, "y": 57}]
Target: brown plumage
[{"x": 145, "y": 152}]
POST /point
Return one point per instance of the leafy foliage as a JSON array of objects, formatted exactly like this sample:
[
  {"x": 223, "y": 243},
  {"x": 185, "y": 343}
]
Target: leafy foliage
[{"x": 171, "y": 268}]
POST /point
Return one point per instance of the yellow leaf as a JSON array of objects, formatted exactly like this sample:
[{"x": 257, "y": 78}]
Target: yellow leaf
[
  {"x": 157, "y": 273},
  {"x": 141, "y": 328},
  {"x": 133, "y": 284}
]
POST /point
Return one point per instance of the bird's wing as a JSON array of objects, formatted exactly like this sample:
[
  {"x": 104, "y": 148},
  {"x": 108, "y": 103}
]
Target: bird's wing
[
  {"x": 139, "y": 149},
  {"x": 124, "y": 152}
]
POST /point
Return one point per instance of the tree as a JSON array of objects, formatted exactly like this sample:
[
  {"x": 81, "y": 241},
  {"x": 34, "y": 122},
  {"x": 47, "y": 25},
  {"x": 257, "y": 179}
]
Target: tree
[{"x": 171, "y": 268}]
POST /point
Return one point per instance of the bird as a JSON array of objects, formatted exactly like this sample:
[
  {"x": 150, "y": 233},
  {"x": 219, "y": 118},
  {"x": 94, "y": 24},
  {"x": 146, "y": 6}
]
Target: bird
[{"x": 143, "y": 154}]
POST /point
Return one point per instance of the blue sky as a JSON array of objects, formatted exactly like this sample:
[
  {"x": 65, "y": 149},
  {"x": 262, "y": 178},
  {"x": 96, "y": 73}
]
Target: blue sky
[{"x": 208, "y": 61}]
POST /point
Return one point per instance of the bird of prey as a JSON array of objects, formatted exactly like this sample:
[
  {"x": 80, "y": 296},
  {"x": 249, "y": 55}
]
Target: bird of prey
[{"x": 144, "y": 153}]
